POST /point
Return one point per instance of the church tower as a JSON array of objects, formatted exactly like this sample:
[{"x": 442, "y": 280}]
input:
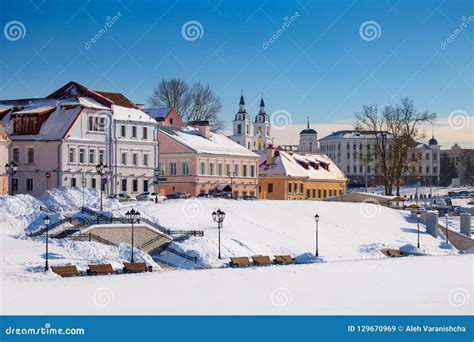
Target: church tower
[
  {"x": 242, "y": 126},
  {"x": 262, "y": 129},
  {"x": 308, "y": 140}
]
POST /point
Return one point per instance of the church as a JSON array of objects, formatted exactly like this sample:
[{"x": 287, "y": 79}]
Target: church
[{"x": 255, "y": 136}]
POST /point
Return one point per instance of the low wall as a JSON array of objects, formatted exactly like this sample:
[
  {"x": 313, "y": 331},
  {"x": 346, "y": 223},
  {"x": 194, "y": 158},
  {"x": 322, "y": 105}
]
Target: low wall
[{"x": 458, "y": 240}]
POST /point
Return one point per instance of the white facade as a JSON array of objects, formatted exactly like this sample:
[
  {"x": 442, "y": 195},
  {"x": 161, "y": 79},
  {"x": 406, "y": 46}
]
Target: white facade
[
  {"x": 308, "y": 140},
  {"x": 77, "y": 136},
  {"x": 353, "y": 152},
  {"x": 255, "y": 136}
]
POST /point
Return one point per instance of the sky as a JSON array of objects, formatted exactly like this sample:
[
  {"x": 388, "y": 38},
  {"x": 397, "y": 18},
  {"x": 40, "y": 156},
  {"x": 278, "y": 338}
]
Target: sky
[{"x": 322, "y": 59}]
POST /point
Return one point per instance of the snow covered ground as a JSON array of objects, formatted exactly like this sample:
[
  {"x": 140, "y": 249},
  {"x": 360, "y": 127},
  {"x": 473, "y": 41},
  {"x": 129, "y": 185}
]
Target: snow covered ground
[{"x": 351, "y": 275}]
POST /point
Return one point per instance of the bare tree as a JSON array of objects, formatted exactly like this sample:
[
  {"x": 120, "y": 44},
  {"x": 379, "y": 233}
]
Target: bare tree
[
  {"x": 192, "y": 102},
  {"x": 395, "y": 129}
]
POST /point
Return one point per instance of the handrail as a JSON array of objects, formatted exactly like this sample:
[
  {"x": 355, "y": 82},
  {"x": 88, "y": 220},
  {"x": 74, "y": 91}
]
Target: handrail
[
  {"x": 149, "y": 242},
  {"x": 52, "y": 226}
]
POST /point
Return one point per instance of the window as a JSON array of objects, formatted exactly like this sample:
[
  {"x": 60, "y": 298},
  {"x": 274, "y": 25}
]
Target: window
[
  {"x": 301, "y": 188},
  {"x": 123, "y": 130},
  {"x": 270, "y": 187},
  {"x": 211, "y": 169},
  {"x": 135, "y": 159},
  {"x": 161, "y": 167},
  {"x": 185, "y": 168},
  {"x": 348, "y": 168},
  {"x": 82, "y": 155},
  {"x": 354, "y": 168},
  {"x": 145, "y": 184},
  {"x": 73, "y": 181},
  {"x": 97, "y": 123},
  {"x": 30, "y": 155},
  {"x": 289, "y": 187},
  {"x": 308, "y": 193},
  {"x": 29, "y": 184},
  {"x": 16, "y": 155},
  {"x": 236, "y": 170},
  {"x": 93, "y": 183},
  {"x": 360, "y": 168},
  {"x": 244, "y": 170},
  {"x": 124, "y": 184},
  {"x": 173, "y": 171},
  {"x": 134, "y": 131},
  {"x": 203, "y": 168},
  {"x": 314, "y": 193},
  {"x": 145, "y": 133},
  {"x": 252, "y": 170},
  {"x": 227, "y": 169},
  {"x": 134, "y": 185},
  {"x": 239, "y": 129},
  {"x": 72, "y": 155},
  {"x": 15, "y": 184},
  {"x": 325, "y": 193},
  {"x": 319, "y": 193},
  {"x": 171, "y": 121},
  {"x": 219, "y": 169},
  {"x": 91, "y": 156},
  {"x": 427, "y": 169},
  {"x": 427, "y": 156},
  {"x": 101, "y": 156},
  {"x": 124, "y": 158},
  {"x": 145, "y": 159}
]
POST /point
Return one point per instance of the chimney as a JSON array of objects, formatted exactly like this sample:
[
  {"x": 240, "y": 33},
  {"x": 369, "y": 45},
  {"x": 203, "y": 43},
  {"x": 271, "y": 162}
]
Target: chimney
[
  {"x": 203, "y": 128},
  {"x": 140, "y": 106},
  {"x": 270, "y": 154}
]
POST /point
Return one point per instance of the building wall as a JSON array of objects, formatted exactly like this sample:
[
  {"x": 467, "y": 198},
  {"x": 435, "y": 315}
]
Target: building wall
[
  {"x": 301, "y": 189},
  {"x": 4, "y": 159}
]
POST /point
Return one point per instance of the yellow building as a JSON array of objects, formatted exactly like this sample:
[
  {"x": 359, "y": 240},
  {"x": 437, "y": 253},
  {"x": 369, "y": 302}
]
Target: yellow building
[
  {"x": 299, "y": 176},
  {"x": 4, "y": 144}
]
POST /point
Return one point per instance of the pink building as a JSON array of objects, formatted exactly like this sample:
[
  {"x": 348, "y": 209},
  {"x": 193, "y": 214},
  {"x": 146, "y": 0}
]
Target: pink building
[{"x": 195, "y": 160}]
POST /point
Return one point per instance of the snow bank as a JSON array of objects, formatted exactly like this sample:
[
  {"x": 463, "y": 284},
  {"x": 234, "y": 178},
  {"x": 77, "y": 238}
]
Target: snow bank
[{"x": 69, "y": 199}]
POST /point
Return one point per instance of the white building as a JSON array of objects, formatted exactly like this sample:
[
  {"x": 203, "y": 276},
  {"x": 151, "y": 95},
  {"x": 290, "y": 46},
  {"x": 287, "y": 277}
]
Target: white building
[
  {"x": 353, "y": 151},
  {"x": 59, "y": 140},
  {"x": 308, "y": 140},
  {"x": 255, "y": 136}
]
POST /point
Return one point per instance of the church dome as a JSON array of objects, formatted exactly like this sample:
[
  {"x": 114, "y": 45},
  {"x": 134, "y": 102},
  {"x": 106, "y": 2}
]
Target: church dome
[
  {"x": 433, "y": 141},
  {"x": 242, "y": 114},
  {"x": 262, "y": 116},
  {"x": 308, "y": 130}
]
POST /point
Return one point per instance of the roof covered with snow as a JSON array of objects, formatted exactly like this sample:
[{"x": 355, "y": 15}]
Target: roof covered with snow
[
  {"x": 158, "y": 113},
  {"x": 351, "y": 134},
  {"x": 313, "y": 166},
  {"x": 216, "y": 144}
]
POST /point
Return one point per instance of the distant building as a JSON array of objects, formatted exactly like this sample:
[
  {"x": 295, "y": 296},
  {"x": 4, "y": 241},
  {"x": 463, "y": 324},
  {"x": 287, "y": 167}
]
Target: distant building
[
  {"x": 167, "y": 117},
  {"x": 463, "y": 160},
  {"x": 354, "y": 152},
  {"x": 195, "y": 160},
  {"x": 4, "y": 146},
  {"x": 254, "y": 136},
  {"x": 288, "y": 175},
  {"x": 308, "y": 141},
  {"x": 58, "y": 141}
]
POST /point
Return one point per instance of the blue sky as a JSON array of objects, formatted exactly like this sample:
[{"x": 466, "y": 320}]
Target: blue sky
[{"x": 319, "y": 66}]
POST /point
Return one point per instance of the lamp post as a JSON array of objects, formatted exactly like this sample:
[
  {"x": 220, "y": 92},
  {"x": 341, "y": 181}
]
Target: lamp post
[
  {"x": 133, "y": 217},
  {"x": 316, "y": 219},
  {"x": 11, "y": 169},
  {"x": 157, "y": 179},
  {"x": 219, "y": 216},
  {"x": 418, "y": 215},
  {"x": 101, "y": 170},
  {"x": 231, "y": 175},
  {"x": 46, "y": 221},
  {"x": 447, "y": 228}
]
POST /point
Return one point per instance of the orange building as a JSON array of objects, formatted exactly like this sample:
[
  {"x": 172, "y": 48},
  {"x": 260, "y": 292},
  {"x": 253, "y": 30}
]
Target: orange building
[{"x": 299, "y": 176}]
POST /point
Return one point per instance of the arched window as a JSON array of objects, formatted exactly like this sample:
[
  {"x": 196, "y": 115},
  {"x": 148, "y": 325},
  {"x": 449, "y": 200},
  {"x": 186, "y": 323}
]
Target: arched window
[
  {"x": 248, "y": 130},
  {"x": 239, "y": 129}
]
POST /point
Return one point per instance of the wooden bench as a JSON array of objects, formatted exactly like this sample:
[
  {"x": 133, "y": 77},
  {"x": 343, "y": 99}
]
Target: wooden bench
[
  {"x": 100, "y": 269},
  {"x": 260, "y": 260},
  {"x": 392, "y": 253},
  {"x": 66, "y": 271},
  {"x": 136, "y": 267},
  {"x": 239, "y": 262},
  {"x": 283, "y": 260}
]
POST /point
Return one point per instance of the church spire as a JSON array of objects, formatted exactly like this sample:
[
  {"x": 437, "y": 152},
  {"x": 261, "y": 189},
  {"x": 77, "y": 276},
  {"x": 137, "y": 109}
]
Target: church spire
[
  {"x": 262, "y": 105},
  {"x": 242, "y": 102},
  {"x": 308, "y": 121}
]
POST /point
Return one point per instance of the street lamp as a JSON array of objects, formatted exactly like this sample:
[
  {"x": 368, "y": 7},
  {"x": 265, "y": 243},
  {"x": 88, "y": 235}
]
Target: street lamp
[
  {"x": 133, "y": 217},
  {"x": 231, "y": 175},
  {"x": 219, "y": 216},
  {"x": 316, "y": 219},
  {"x": 46, "y": 221},
  {"x": 157, "y": 179},
  {"x": 418, "y": 215},
  {"x": 101, "y": 170},
  {"x": 11, "y": 169},
  {"x": 447, "y": 228}
]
